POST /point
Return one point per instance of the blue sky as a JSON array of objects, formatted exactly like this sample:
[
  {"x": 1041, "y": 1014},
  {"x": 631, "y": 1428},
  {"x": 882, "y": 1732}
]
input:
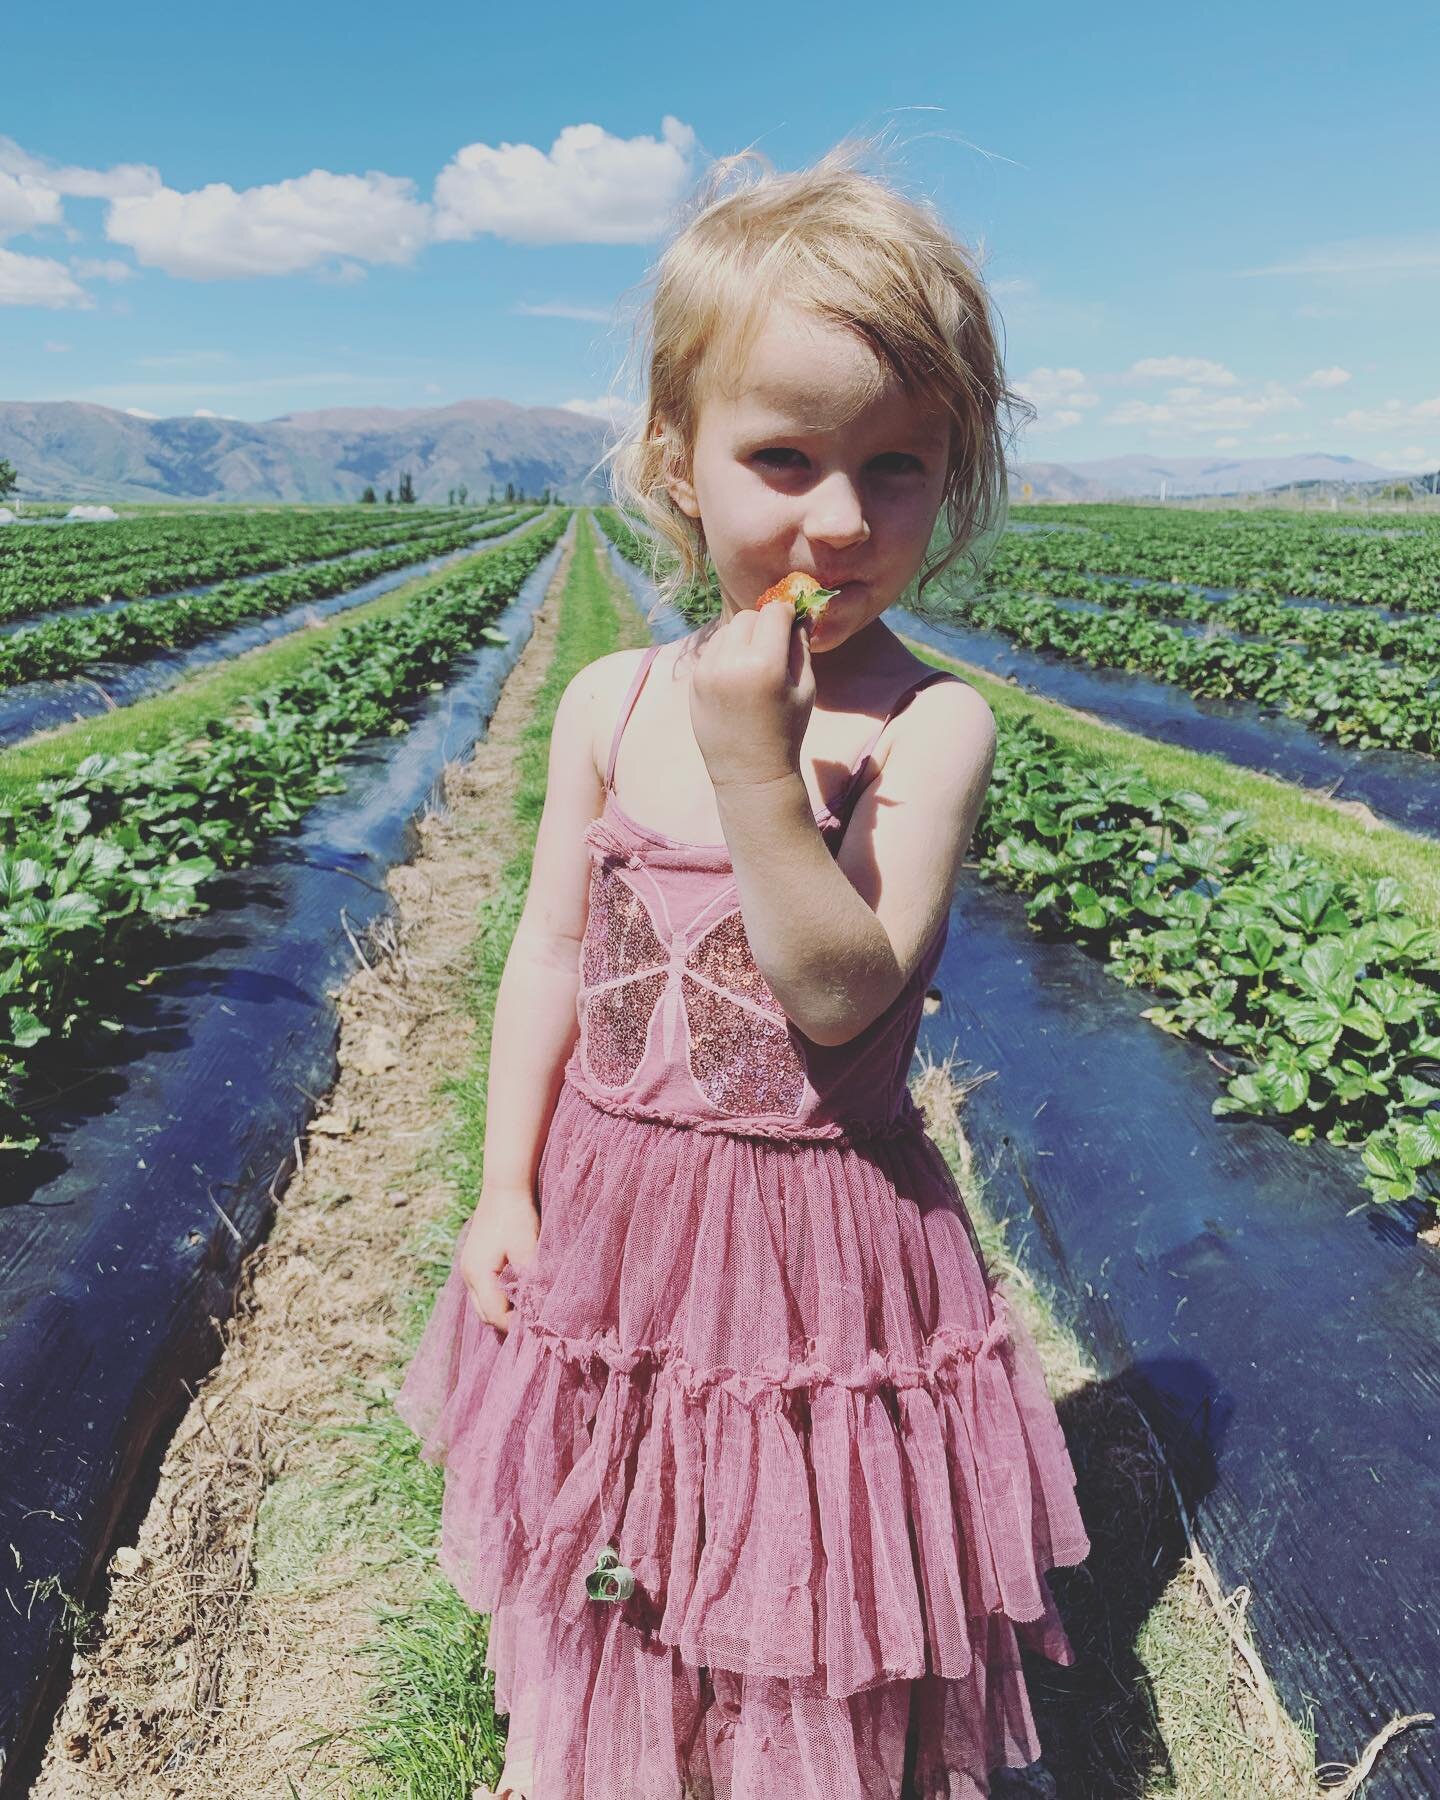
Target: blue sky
[{"x": 1212, "y": 231}]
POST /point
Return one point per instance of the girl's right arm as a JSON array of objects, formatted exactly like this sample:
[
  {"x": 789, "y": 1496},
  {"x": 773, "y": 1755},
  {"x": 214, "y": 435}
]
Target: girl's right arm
[{"x": 535, "y": 1025}]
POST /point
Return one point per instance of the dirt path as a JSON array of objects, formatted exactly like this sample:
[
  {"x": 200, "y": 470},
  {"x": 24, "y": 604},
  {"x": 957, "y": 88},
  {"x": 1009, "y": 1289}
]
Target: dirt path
[{"x": 229, "y": 1640}]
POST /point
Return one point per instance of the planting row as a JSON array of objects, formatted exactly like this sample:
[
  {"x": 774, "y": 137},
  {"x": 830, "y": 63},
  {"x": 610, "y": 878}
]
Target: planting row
[
  {"x": 90, "y": 861},
  {"x": 1270, "y": 554},
  {"x": 1361, "y": 700},
  {"x": 1325, "y": 993},
  {"x": 156, "y": 556},
  {"x": 63, "y": 646},
  {"x": 1332, "y": 630}
]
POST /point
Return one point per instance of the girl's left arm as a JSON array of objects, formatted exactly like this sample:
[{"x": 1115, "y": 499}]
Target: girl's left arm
[{"x": 838, "y": 937}]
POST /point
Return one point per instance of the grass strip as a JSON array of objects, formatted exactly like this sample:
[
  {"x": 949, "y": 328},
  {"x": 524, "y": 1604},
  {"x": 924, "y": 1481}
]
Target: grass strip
[
  {"x": 1347, "y": 837},
  {"x": 433, "y": 1730}
]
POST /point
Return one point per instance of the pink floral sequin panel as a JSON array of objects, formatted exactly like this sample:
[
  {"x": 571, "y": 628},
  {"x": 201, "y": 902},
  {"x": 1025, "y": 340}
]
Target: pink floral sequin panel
[
  {"x": 741, "y": 1053},
  {"x": 699, "y": 988}
]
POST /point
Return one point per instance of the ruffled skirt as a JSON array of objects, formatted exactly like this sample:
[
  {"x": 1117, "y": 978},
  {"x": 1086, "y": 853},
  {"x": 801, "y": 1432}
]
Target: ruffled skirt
[{"x": 776, "y": 1379}]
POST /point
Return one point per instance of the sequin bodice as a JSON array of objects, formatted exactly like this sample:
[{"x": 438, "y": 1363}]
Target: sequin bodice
[{"x": 676, "y": 1020}]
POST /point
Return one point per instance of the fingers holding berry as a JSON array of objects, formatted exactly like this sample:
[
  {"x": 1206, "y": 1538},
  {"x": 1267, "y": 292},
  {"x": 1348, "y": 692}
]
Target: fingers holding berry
[{"x": 753, "y": 689}]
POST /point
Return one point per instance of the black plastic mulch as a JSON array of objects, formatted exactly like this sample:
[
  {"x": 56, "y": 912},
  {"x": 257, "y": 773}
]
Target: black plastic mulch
[
  {"x": 1398, "y": 785},
  {"x": 126, "y": 1234}
]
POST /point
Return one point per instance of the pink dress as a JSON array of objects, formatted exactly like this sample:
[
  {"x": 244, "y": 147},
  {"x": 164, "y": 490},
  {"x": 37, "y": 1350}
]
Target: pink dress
[{"x": 758, "y": 1356}]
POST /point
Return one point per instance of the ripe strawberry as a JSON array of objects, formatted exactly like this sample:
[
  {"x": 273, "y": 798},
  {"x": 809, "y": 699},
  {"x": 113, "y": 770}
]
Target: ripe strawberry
[{"x": 803, "y": 591}]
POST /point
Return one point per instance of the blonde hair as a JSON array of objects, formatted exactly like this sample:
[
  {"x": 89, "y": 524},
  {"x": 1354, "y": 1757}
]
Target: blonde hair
[{"x": 856, "y": 252}]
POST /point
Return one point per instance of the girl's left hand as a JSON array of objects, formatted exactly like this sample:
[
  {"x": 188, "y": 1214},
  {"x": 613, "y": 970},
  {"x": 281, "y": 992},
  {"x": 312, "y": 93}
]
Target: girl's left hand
[{"x": 751, "y": 696}]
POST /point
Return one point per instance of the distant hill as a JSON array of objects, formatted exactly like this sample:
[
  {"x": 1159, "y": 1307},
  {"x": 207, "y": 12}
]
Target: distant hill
[
  {"x": 1136, "y": 477},
  {"x": 72, "y": 450}
]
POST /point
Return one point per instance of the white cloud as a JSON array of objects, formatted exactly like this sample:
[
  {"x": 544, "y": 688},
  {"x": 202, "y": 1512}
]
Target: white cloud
[
  {"x": 38, "y": 281},
  {"x": 1198, "y": 371},
  {"x": 139, "y": 412},
  {"x": 1227, "y": 443},
  {"x": 83, "y": 184},
  {"x": 1414, "y": 459},
  {"x": 103, "y": 268},
  {"x": 1062, "y": 419},
  {"x": 56, "y": 348},
  {"x": 26, "y": 205},
  {"x": 184, "y": 359},
  {"x": 217, "y": 232},
  {"x": 1394, "y": 415},
  {"x": 1011, "y": 285},
  {"x": 1312, "y": 309},
  {"x": 175, "y": 395},
  {"x": 1190, "y": 409},
  {"x": 589, "y": 188},
  {"x": 1326, "y": 378},
  {"x": 1369, "y": 258},
  {"x": 557, "y": 309},
  {"x": 1056, "y": 391},
  {"x": 610, "y": 407}
]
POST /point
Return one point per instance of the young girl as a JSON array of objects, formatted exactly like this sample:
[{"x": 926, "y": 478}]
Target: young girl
[{"x": 748, "y": 1460}]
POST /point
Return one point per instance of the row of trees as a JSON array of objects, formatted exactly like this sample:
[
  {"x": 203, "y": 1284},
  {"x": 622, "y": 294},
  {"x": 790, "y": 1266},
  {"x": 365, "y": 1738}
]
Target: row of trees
[
  {"x": 9, "y": 480},
  {"x": 458, "y": 496}
]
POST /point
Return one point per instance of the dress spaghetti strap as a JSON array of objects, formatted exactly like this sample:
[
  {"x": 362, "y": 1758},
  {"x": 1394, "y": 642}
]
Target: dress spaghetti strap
[
  {"x": 852, "y": 786},
  {"x": 651, "y": 651}
]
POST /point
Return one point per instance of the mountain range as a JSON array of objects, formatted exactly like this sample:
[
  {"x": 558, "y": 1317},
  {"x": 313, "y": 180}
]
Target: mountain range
[
  {"x": 70, "y": 449},
  {"x": 73, "y": 450},
  {"x": 1176, "y": 477}
]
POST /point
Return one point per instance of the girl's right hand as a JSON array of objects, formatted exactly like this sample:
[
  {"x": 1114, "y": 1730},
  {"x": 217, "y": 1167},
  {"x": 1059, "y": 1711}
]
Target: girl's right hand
[{"x": 504, "y": 1228}]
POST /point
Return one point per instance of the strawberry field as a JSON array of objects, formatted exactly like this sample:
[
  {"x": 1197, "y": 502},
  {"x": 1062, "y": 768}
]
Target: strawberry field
[{"x": 1212, "y": 998}]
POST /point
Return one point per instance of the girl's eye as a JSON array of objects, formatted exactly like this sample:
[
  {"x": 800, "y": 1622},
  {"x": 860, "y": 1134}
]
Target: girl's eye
[{"x": 906, "y": 464}]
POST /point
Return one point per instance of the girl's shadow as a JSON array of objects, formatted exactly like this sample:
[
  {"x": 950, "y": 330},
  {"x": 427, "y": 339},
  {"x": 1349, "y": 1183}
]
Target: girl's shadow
[{"x": 1098, "y": 1719}]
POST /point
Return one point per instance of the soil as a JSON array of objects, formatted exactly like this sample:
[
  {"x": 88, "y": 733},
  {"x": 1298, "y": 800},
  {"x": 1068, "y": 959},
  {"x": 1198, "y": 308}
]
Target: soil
[{"x": 235, "y": 1609}]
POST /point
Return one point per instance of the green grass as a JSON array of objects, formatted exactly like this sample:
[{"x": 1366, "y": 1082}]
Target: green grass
[
  {"x": 1283, "y": 812},
  {"x": 188, "y": 707},
  {"x": 433, "y": 1731}
]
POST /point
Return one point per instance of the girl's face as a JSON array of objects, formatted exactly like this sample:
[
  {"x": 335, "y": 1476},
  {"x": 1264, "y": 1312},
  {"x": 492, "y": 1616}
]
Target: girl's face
[{"x": 817, "y": 461}]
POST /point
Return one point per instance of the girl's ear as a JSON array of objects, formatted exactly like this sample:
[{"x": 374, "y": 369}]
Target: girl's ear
[{"x": 680, "y": 489}]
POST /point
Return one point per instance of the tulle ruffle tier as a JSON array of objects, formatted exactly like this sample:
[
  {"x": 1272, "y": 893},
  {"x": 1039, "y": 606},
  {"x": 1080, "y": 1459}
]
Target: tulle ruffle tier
[
  {"x": 602, "y": 1709},
  {"x": 778, "y": 1381}
]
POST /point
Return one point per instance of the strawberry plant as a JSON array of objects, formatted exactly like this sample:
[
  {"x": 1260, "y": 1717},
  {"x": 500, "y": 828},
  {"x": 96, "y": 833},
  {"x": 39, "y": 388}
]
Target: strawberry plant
[
  {"x": 92, "y": 861},
  {"x": 63, "y": 646}
]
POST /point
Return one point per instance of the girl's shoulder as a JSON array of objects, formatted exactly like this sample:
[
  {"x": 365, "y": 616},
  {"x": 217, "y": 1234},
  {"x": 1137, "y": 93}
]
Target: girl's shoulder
[
  {"x": 607, "y": 681},
  {"x": 921, "y": 741}
]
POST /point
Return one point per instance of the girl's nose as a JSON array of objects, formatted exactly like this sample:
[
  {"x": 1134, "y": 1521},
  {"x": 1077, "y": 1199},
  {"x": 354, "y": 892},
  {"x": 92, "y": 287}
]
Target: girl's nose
[{"x": 834, "y": 513}]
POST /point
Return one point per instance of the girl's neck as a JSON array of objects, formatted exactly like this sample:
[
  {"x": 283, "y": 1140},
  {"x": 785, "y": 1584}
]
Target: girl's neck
[{"x": 872, "y": 652}]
